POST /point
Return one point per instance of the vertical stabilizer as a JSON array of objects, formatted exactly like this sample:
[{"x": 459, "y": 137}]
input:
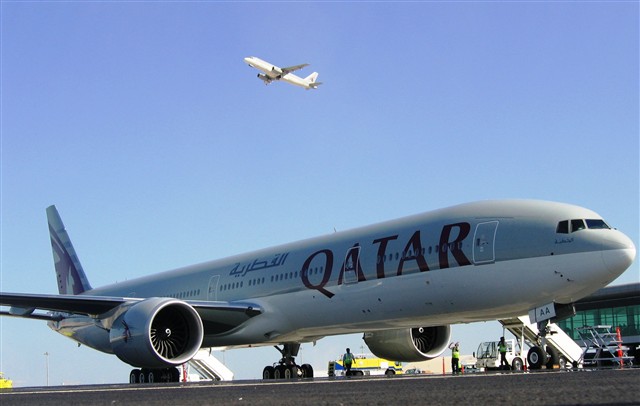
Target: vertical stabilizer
[
  {"x": 312, "y": 78},
  {"x": 69, "y": 273}
]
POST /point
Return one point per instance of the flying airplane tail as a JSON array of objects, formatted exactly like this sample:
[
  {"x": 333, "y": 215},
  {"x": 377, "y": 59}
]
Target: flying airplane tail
[
  {"x": 69, "y": 273},
  {"x": 312, "y": 78}
]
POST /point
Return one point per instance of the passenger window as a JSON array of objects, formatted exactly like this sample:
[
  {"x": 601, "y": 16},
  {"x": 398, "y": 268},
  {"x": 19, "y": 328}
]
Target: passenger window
[
  {"x": 597, "y": 224},
  {"x": 577, "y": 225},
  {"x": 563, "y": 227}
]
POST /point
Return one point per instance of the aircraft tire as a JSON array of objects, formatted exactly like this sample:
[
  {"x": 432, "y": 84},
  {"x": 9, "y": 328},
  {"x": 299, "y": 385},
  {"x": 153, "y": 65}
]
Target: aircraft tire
[
  {"x": 516, "y": 364},
  {"x": 536, "y": 358},
  {"x": 268, "y": 372},
  {"x": 290, "y": 372},
  {"x": 554, "y": 357},
  {"x": 307, "y": 371},
  {"x": 134, "y": 376},
  {"x": 174, "y": 375},
  {"x": 563, "y": 362},
  {"x": 280, "y": 372}
]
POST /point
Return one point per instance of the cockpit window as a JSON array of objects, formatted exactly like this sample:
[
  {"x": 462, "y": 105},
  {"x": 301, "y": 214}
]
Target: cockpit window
[
  {"x": 597, "y": 224},
  {"x": 563, "y": 227},
  {"x": 577, "y": 225}
]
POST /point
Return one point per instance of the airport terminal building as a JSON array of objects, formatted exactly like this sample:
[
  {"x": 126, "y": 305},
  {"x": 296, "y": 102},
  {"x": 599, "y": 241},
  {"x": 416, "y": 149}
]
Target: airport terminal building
[{"x": 615, "y": 306}]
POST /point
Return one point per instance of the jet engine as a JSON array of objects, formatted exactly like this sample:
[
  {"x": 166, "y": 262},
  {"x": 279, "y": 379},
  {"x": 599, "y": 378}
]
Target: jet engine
[
  {"x": 157, "y": 333},
  {"x": 264, "y": 78},
  {"x": 409, "y": 345}
]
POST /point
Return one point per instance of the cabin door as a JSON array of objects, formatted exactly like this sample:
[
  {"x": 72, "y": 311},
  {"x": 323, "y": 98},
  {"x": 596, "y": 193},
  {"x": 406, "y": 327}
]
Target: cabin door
[
  {"x": 351, "y": 265},
  {"x": 213, "y": 288},
  {"x": 484, "y": 251}
]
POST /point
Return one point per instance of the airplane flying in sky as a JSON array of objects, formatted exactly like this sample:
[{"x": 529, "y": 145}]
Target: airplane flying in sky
[
  {"x": 402, "y": 283},
  {"x": 272, "y": 72}
]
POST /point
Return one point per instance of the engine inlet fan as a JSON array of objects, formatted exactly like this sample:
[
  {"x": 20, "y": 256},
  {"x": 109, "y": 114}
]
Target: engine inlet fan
[{"x": 169, "y": 333}]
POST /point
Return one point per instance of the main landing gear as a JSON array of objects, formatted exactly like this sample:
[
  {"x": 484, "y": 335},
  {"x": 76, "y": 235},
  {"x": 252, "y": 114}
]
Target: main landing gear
[
  {"x": 287, "y": 368},
  {"x": 146, "y": 375}
]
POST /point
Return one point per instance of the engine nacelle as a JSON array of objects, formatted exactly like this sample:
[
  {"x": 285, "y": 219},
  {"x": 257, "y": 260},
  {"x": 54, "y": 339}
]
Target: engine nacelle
[
  {"x": 409, "y": 345},
  {"x": 266, "y": 79},
  {"x": 157, "y": 333}
]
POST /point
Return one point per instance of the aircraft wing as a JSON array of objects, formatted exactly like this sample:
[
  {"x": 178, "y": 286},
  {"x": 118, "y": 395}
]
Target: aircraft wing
[
  {"x": 213, "y": 314},
  {"x": 293, "y": 68},
  {"x": 77, "y": 304}
]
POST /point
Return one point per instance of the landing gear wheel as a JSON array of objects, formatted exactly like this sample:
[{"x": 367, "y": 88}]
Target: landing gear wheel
[
  {"x": 563, "y": 362},
  {"x": 516, "y": 364},
  {"x": 536, "y": 358},
  {"x": 268, "y": 372},
  {"x": 175, "y": 375},
  {"x": 291, "y": 372},
  {"x": 149, "y": 375},
  {"x": 280, "y": 372},
  {"x": 554, "y": 357},
  {"x": 307, "y": 371},
  {"x": 134, "y": 376}
]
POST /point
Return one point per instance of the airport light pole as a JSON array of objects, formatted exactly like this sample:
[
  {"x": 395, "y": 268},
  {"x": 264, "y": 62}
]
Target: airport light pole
[{"x": 46, "y": 354}]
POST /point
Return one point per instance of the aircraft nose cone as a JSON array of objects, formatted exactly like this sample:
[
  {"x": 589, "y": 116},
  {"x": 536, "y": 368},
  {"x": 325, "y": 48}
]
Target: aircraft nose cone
[{"x": 619, "y": 252}]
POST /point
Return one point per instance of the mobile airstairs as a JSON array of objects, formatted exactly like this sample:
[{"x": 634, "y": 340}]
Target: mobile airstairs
[
  {"x": 205, "y": 367},
  {"x": 562, "y": 350},
  {"x": 602, "y": 347}
]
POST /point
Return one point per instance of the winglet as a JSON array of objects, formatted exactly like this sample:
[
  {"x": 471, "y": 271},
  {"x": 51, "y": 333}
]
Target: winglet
[{"x": 69, "y": 273}]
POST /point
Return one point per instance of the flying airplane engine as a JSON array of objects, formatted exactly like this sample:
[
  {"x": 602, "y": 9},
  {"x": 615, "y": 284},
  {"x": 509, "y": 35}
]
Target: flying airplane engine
[
  {"x": 157, "y": 333},
  {"x": 265, "y": 78},
  {"x": 409, "y": 345}
]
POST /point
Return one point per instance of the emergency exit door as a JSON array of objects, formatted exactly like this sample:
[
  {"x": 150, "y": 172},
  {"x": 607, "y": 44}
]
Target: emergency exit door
[{"x": 484, "y": 241}]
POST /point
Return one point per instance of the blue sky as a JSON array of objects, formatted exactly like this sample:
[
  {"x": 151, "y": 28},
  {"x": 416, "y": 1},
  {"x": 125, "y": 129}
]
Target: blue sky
[{"x": 161, "y": 148}]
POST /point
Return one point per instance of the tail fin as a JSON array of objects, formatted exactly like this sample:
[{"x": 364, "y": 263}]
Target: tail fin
[
  {"x": 69, "y": 273},
  {"x": 312, "y": 78}
]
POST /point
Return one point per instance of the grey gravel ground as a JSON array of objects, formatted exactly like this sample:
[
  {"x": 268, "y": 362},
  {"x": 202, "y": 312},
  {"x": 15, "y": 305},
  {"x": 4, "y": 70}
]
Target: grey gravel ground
[{"x": 603, "y": 387}]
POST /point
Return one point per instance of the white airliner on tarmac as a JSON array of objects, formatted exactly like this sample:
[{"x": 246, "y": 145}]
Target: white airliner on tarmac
[
  {"x": 272, "y": 72},
  {"x": 402, "y": 283}
]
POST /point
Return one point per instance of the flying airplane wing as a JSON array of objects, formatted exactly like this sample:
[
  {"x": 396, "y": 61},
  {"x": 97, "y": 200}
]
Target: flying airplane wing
[
  {"x": 26, "y": 305},
  {"x": 293, "y": 68}
]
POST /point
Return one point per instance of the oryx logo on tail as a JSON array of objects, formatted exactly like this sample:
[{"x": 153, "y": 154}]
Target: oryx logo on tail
[{"x": 69, "y": 273}]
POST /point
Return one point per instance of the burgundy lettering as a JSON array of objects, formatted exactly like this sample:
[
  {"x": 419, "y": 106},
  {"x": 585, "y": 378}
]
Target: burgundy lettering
[
  {"x": 413, "y": 252},
  {"x": 328, "y": 266},
  {"x": 453, "y": 246},
  {"x": 382, "y": 251}
]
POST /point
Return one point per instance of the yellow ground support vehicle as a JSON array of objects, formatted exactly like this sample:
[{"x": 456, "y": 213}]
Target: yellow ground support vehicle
[
  {"x": 365, "y": 364},
  {"x": 4, "y": 382}
]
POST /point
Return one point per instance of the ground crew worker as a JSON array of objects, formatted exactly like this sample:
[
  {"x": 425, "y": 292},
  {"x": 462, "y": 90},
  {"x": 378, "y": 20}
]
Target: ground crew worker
[
  {"x": 347, "y": 360},
  {"x": 502, "y": 347},
  {"x": 455, "y": 358}
]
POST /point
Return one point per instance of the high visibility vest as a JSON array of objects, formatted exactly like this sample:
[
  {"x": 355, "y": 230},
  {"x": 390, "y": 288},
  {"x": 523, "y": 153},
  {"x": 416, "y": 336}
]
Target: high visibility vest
[
  {"x": 502, "y": 347},
  {"x": 455, "y": 354}
]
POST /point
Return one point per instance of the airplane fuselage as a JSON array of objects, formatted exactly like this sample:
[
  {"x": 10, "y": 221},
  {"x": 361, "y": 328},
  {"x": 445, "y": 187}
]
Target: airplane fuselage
[{"x": 473, "y": 262}]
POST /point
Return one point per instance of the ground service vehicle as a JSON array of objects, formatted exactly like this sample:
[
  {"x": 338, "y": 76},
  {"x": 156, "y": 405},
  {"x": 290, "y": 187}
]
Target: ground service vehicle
[
  {"x": 488, "y": 355},
  {"x": 365, "y": 364},
  {"x": 4, "y": 382}
]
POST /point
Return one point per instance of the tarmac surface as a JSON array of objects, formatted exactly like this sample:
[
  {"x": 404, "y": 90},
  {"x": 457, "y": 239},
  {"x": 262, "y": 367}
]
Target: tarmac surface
[{"x": 581, "y": 387}]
